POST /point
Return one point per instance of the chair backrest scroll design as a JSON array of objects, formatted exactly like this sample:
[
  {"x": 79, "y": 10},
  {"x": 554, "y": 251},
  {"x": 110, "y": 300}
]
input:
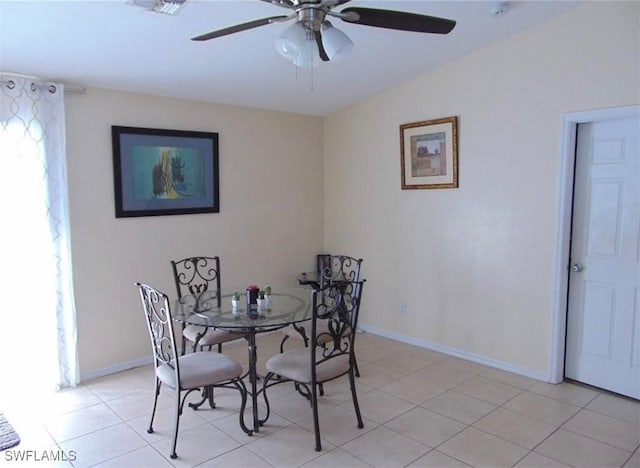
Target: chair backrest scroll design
[
  {"x": 198, "y": 278},
  {"x": 340, "y": 268},
  {"x": 160, "y": 326},
  {"x": 339, "y": 304}
]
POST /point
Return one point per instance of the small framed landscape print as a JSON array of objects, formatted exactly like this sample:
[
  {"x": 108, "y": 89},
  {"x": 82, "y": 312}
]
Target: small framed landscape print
[
  {"x": 429, "y": 154},
  {"x": 164, "y": 172}
]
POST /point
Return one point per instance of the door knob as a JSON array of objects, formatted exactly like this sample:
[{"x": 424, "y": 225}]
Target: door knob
[{"x": 577, "y": 267}]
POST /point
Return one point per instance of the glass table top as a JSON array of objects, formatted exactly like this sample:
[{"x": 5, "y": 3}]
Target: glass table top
[{"x": 285, "y": 306}]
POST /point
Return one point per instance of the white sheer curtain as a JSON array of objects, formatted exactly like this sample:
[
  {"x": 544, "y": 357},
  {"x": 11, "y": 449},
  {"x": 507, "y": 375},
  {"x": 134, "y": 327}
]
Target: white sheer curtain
[{"x": 38, "y": 322}]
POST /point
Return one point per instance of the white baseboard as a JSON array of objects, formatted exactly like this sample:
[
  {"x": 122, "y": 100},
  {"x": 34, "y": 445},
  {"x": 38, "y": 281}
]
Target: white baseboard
[
  {"x": 123, "y": 366},
  {"x": 505, "y": 366},
  {"x": 502, "y": 365}
]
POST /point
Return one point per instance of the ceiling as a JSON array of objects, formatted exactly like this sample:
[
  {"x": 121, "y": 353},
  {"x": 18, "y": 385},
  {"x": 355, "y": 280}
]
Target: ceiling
[{"x": 115, "y": 44}]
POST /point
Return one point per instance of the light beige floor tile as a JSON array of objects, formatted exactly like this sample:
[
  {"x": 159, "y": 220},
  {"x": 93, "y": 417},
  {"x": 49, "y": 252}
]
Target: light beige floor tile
[
  {"x": 576, "y": 450},
  {"x": 230, "y": 425},
  {"x": 292, "y": 446},
  {"x": 103, "y": 445},
  {"x": 634, "y": 461},
  {"x": 80, "y": 422},
  {"x": 435, "y": 459},
  {"x": 405, "y": 362},
  {"x": 606, "y": 429},
  {"x": 339, "y": 391},
  {"x": 295, "y": 407},
  {"x": 370, "y": 338},
  {"x": 337, "y": 425},
  {"x": 375, "y": 376},
  {"x": 565, "y": 391},
  {"x": 147, "y": 372},
  {"x": 487, "y": 390},
  {"x": 535, "y": 460},
  {"x": 515, "y": 427},
  {"x": 163, "y": 424},
  {"x": 445, "y": 373},
  {"x": 371, "y": 353},
  {"x": 197, "y": 445},
  {"x": 122, "y": 384},
  {"x": 457, "y": 393},
  {"x": 541, "y": 408},
  {"x": 425, "y": 426},
  {"x": 238, "y": 458},
  {"x": 616, "y": 407},
  {"x": 227, "y": 402},
  {"x": 460, "y": 407},
  {"x": 145, "y": 457},
  {"x": 380, "y": 342},
  {"x": 414, "y": 389},
  {"x": 138, "y": 404},
  {"x": 380, "y": 407},
  {"x": 383, "y": 447},
  {"x": 478, "y": 448},
  {"x": 67, "y": 400},
  {"x": 464, "y": 364},
  {"x": 509, "y": 378},
  {"x": 427, "y": 355},
  {"x": 336, "y": 458}
]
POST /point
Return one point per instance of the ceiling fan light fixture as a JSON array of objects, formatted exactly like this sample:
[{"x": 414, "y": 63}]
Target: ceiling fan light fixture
[
  {"x": 309, "y": 56},
  {"x": 291, "y": 42},
  {"x": 336, "y": 43},
  {"x": 168, "y": 7}
]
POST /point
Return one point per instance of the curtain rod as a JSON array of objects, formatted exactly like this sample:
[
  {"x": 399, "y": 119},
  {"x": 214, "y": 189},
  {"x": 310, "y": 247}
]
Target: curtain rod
[{"x": 43, "y": 84}]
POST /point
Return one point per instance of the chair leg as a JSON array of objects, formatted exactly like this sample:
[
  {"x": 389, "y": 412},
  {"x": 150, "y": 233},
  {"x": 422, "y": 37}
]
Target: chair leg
[
  {"x": 354, "y": 397},
  {"x": 155, "y": 403},
  {"x": 176, "y": 425},
  {"x": 219, "y": 347},
  {"x": 316, "y": 422},
  {"x": 355, "y": 365}
]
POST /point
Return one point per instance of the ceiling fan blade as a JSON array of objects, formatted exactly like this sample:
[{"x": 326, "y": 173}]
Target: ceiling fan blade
[
  {"x": 238, "y": 27},
  {"x": 321, "y": 51},
  {"x": 400, "y": 20}
]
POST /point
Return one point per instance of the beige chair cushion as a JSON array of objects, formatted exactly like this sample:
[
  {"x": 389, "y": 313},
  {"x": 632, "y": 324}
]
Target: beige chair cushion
[
  {"x": 200, "y": 369},
  {"x": 295, "y": 365},
  {"x": 211, "y": 337}
]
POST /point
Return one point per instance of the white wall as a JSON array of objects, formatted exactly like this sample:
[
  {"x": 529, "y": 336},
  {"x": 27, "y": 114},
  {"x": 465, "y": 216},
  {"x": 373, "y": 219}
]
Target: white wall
[
  {"x": 269, "y": 227},
  {"x": 476, "y": 265}
]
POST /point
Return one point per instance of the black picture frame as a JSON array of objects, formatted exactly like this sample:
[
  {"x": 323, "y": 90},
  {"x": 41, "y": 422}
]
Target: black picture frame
[{"x": 164, "y": 172}]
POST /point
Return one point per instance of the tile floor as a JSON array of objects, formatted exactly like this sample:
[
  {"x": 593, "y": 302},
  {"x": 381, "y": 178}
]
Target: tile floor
[{"x": 421, "y": 409}]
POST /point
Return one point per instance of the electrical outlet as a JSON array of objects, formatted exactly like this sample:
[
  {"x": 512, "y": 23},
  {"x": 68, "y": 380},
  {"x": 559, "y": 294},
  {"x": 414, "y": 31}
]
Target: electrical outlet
[{"x": 403, "y": 309}]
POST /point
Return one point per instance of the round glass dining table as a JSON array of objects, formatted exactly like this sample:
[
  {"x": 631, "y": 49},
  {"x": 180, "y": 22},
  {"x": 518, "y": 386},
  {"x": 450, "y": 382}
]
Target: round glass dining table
[{"x": 286, "y": 306}]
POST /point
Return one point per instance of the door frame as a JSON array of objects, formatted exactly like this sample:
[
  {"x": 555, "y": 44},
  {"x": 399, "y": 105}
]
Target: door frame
[{"x": 564, "y": 210}]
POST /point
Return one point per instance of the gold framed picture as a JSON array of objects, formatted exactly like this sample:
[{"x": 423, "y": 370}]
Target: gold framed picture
[{"x": 429, "y": 154}]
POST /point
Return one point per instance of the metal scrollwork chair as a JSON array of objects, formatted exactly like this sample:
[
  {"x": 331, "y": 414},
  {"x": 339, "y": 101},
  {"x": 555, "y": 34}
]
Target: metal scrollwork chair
[
  {"x": 331, "y": 268},
  {"x": 330, "y": 352},
  {"x": 196, "y": 276},
  {"x": 184, "y": 373}
]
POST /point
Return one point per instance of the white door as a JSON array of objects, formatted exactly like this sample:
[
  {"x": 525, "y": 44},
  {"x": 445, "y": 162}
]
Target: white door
[{"x": 603, "y": 320}]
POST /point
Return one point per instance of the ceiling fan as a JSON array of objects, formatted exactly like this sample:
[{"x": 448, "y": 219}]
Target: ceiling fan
[{"x": 312, "y": 35}]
